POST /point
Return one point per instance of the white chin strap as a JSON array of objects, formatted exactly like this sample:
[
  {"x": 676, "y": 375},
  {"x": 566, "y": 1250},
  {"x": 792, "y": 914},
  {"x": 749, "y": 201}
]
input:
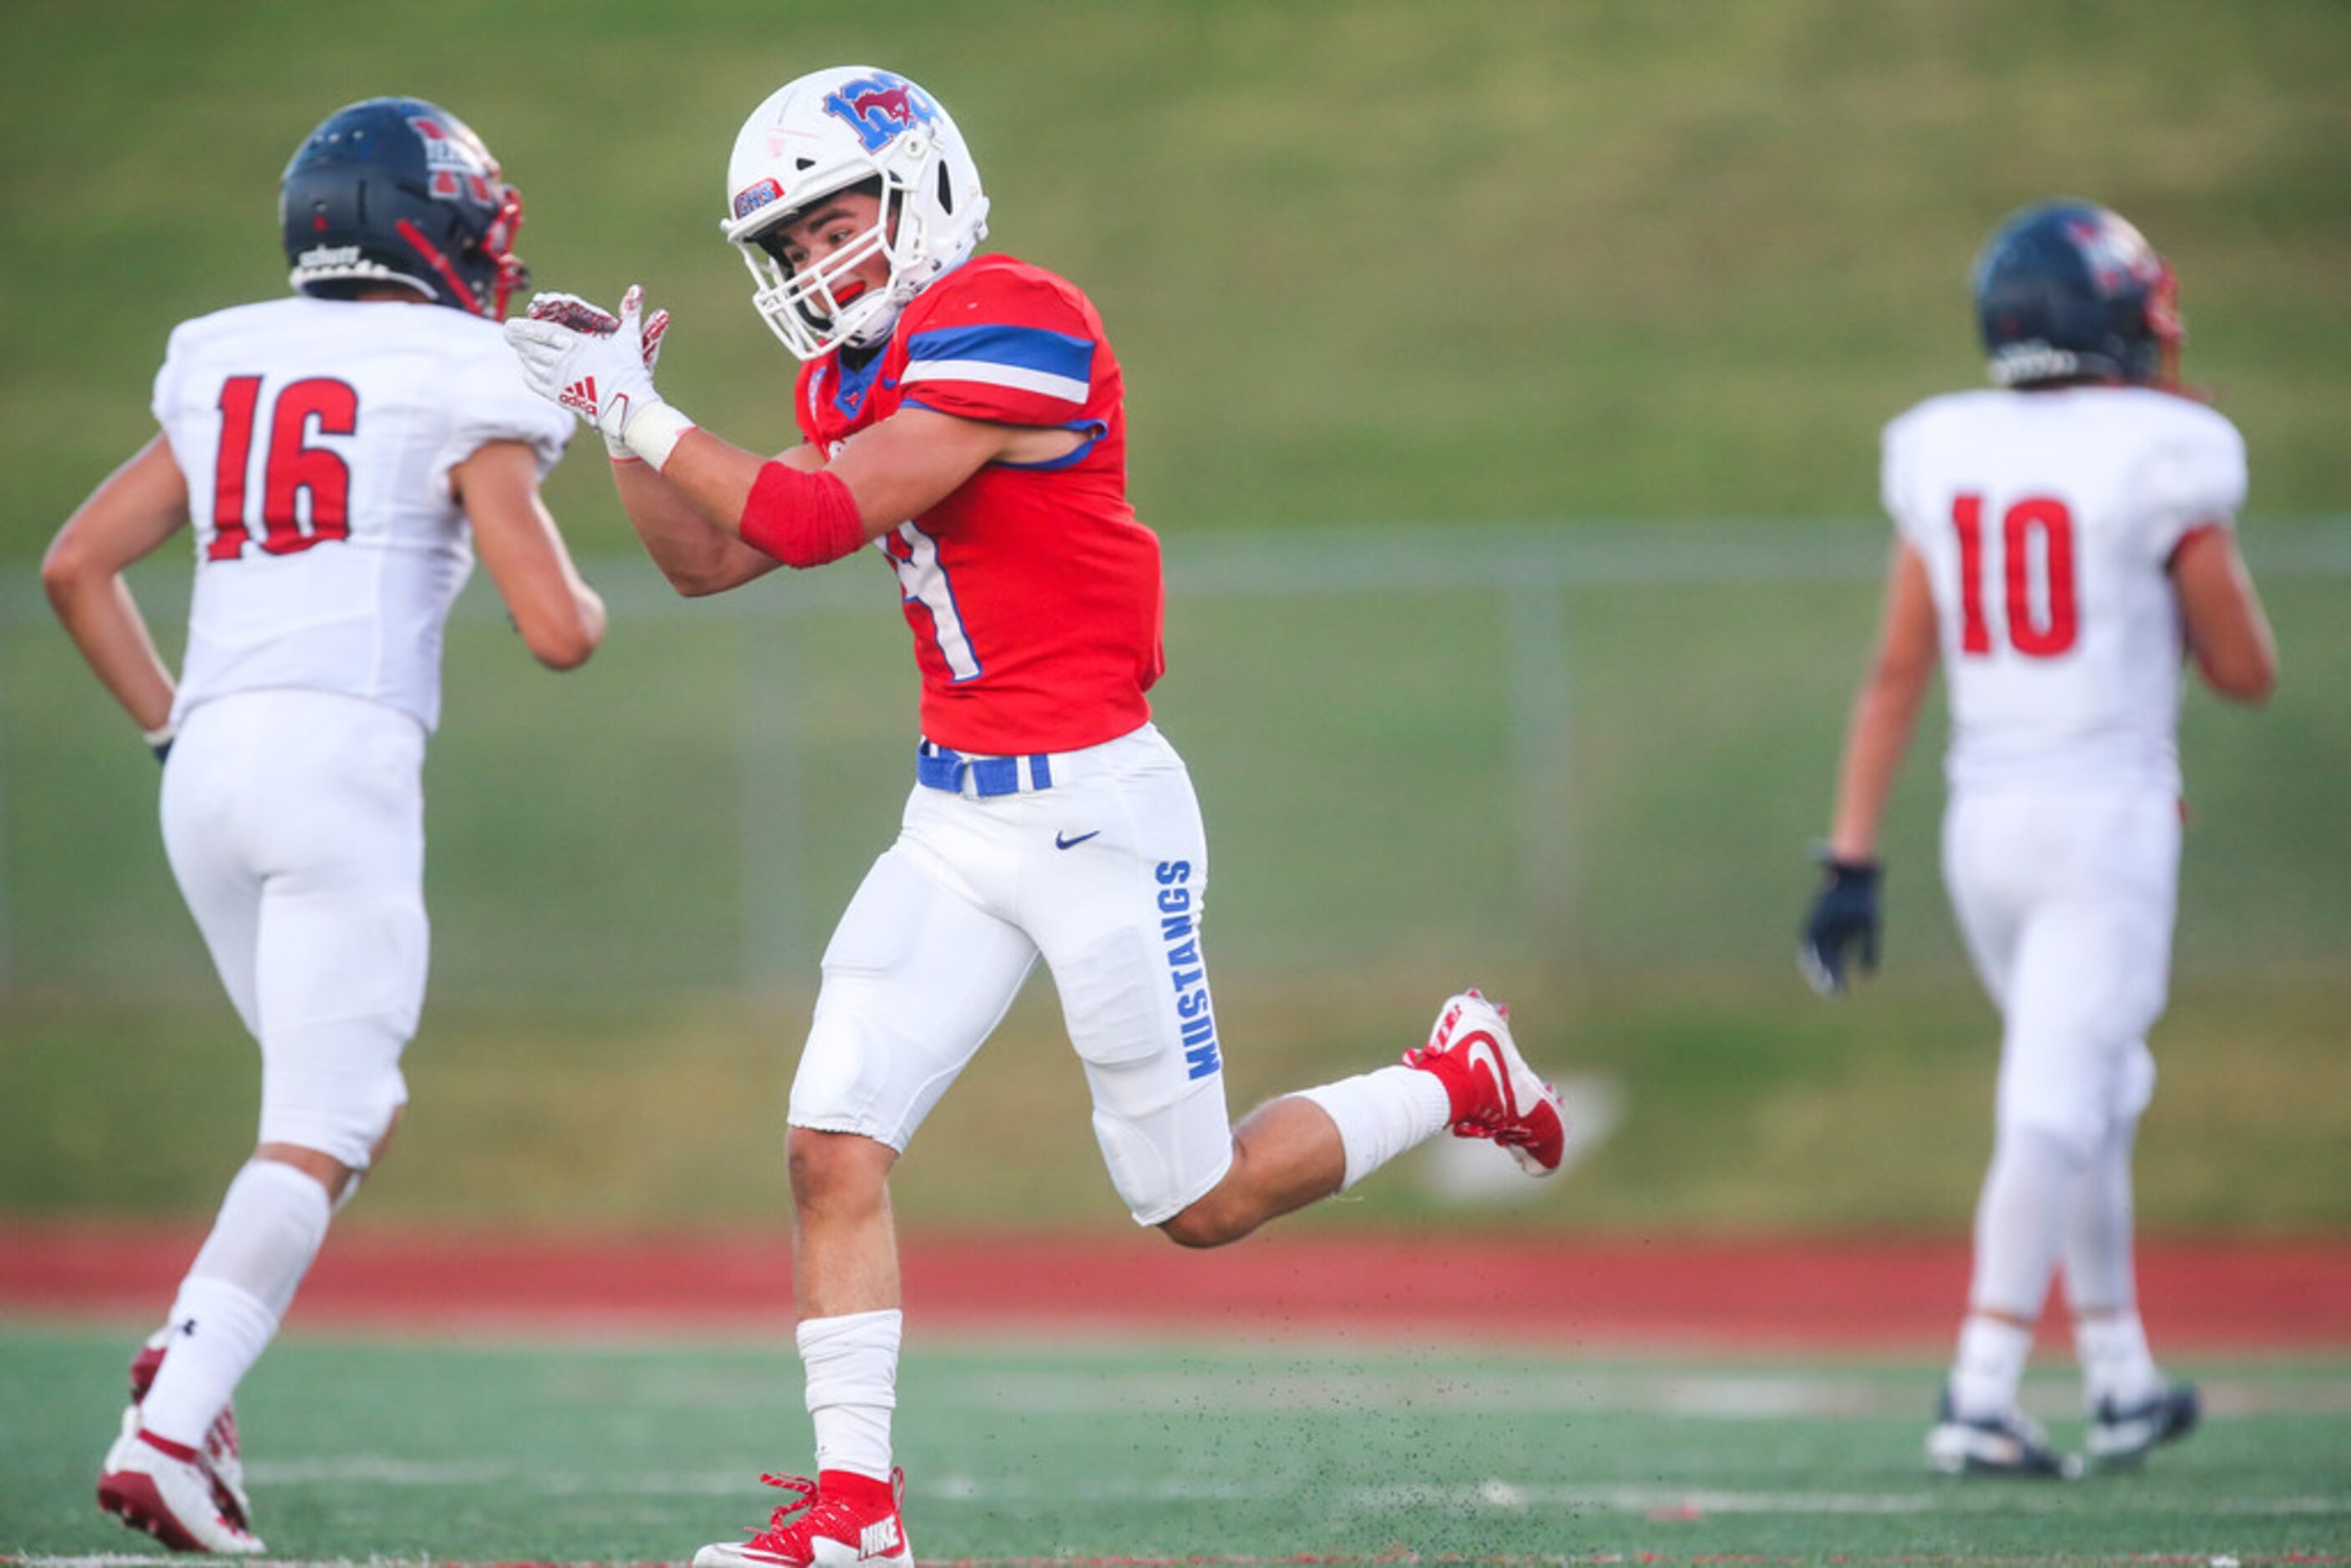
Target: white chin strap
[{"x": 879, "y": 325}]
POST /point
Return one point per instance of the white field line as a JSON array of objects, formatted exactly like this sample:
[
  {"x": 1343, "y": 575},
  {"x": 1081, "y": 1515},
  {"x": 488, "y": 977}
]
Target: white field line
[
  {"x": 1568, "y": 1392},
  {"x": 1080, "y": 1392},
  {"x": 1496, "y": 1494},
  {"x": 1726, "y": 1397},
  {"x": 1501, "y": 1496}
]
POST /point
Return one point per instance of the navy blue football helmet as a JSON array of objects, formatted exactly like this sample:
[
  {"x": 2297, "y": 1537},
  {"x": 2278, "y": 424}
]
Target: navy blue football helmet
[
  {"x": 397, "y": 190},
  {"x": 2068, "y": 290}
]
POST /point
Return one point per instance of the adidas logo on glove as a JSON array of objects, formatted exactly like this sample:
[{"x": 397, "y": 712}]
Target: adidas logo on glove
[{"x": 581, "y": 396}]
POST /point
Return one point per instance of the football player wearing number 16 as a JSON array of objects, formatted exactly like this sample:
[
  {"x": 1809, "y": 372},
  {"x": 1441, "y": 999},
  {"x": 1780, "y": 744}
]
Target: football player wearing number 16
[
  {"x": 342, "y": 454},
  {"x": 962, "y": 420},
  {"x": 2058, "y": 539}
]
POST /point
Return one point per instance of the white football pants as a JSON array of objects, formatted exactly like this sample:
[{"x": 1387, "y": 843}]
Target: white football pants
[
  {"x": 295, "y": 823},
  {"x": 1103, "y": 873},
  {"x": 2065, "y": 897}
]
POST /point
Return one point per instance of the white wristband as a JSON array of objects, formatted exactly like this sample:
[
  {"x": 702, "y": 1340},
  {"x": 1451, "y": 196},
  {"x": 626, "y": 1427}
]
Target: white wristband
[
  {"x": 161, "y": 735},
  {"x": 653, "y": 432}
]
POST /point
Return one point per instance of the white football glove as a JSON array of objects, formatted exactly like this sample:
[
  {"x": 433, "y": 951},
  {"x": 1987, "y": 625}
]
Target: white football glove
[
  {"x": 599, "y": 366},
  {"x": 570, "y": 310}
]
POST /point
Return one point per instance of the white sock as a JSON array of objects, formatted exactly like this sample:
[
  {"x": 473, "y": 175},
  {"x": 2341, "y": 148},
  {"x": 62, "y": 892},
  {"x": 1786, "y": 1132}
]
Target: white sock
[
  {"x": 1989, "y": 1367},
  {"x": 1381, "y": 1114},
  {"x": 269, "y": 1227},
  {"x": 2115, "y": 1363},
  {"x": 853, "y": 1387}
]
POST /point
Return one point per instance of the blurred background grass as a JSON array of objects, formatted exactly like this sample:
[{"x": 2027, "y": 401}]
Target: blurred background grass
[{"x": 1504, "y": 379}]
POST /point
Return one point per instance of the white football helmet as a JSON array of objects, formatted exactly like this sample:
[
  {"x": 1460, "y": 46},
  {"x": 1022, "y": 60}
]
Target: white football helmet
[{"x": 826, "y": 132}]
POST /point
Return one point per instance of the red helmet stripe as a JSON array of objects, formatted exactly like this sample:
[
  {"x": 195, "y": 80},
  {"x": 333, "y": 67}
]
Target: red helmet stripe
[{"x": 439, "y": 263}]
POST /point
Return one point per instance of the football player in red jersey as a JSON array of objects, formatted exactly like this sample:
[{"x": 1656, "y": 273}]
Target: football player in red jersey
[{"x": 964, "y": 415}]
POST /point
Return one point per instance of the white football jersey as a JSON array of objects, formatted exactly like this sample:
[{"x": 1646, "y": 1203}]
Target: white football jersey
[
  {"x": 2047, "y": 521},
  {"x": 317, "y": 437}
]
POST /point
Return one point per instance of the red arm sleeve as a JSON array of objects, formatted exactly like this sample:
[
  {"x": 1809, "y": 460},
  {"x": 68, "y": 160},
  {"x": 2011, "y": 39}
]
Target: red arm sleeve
[{"x": 803, "y": 519}]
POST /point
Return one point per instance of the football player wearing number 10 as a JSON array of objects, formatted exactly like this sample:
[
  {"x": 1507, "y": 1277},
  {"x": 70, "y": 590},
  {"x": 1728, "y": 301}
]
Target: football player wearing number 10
[
  {"x": 2058, "y": 539},
  {"x": 962, "y": 419},
  {"x": 342, "y": 455}
]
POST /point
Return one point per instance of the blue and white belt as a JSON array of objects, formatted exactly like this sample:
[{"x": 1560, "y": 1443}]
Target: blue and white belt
[{"x": 939, "y": 767}]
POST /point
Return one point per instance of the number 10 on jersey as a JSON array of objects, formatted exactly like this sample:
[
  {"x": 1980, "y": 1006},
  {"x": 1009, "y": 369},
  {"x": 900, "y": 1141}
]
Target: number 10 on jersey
[{"x": 2036, "y": 548}]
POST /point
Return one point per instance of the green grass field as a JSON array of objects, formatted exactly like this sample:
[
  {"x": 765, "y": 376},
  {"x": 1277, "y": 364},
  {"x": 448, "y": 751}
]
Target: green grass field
[{"x": 1149, "y": 1453}]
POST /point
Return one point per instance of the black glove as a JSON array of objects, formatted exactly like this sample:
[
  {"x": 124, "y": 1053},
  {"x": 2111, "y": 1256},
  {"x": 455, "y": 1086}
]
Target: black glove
[{"x": 1845, "y": 913}]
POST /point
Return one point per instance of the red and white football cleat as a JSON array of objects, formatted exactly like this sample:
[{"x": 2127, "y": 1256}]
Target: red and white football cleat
[
  {"x": 223, "y": 1451},
  {"x": 842, "y": 1519},
  {"x": 1495, "y": 1093},
  {"x": 153, "y": 1484}
]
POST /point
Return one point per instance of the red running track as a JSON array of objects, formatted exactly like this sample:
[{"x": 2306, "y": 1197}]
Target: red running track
[{"x": 1671, "y": 1293}]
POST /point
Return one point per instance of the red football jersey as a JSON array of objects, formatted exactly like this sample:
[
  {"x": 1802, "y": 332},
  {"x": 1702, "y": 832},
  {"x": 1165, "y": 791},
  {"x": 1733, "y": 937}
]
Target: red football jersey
[{"x": 1033, "y": 594}]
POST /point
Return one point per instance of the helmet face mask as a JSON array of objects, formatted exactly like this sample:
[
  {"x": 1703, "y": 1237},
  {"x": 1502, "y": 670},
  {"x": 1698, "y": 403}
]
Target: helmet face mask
[
  {"x": 839, "y": 129},
  {"x": 822, "y": 296},
  {"x": 399, "y": 192},
  {"x": 2069, "y": 291}
]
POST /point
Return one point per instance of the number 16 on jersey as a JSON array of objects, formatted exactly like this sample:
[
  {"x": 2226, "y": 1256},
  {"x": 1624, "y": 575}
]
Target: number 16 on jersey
[{"x": 294, "y": 470}]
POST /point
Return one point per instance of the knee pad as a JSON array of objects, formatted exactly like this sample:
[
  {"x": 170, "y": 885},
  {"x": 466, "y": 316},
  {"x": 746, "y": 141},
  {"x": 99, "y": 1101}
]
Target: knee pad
[
  {"x": 844, "y": 1082},
  {"x": 2075, "y": 1090},
  {"x": 1137, "y": 1169},
  {"x": 2076, "y": 1124},
  {"x": 1161, "y": 1157},
  {"x": 335, "y": 1090},
  {"x": 916, "y": 977},
  {"x": 2133, "y": 1086},
  {"x": 860, "y": 1072},
  {"x": 2061, "y": 1078}
]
